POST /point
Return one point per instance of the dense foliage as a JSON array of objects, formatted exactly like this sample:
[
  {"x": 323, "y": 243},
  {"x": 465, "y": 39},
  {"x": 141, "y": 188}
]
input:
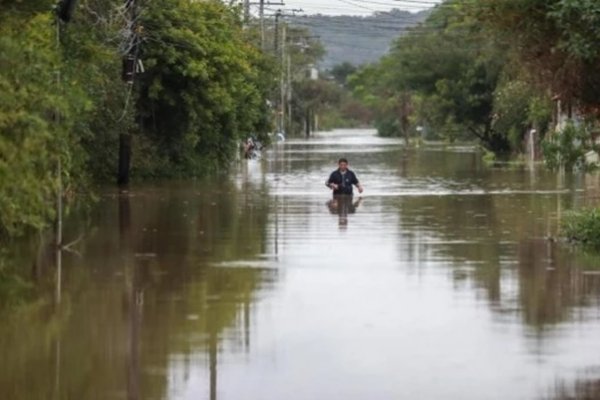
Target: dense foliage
[
  {"x": 583, "y": 227},
  {"x": 556, "y": 44},
  {"x": 488, "y": 70},
  {"x": 428, "y": 81},
  {"x": 31, "y": 140},
  {"x": 557, "y": 40},
  {"x": 204, "y": 87}
]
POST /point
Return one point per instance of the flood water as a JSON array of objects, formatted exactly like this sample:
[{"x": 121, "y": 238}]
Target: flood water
[{"x": 442, "y": 282}]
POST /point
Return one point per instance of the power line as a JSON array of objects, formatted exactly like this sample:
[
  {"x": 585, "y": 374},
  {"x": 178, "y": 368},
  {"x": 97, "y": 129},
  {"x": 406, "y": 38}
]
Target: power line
[{"x": 367, "y": 5}]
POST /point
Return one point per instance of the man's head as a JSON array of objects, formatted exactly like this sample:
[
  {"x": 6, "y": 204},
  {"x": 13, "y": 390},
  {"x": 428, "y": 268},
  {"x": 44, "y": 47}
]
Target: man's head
[{"x": 343, "y": 164}]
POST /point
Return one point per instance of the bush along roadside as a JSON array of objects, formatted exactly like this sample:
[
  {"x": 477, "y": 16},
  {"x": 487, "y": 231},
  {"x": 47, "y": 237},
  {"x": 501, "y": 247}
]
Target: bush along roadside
[
  {"x": 569, "y": 149},
  {"x": 582, "y": 227}
]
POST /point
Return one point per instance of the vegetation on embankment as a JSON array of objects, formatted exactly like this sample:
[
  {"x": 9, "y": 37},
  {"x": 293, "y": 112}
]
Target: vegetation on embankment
[
  {"x": 205, "y": 86},
  {"x": 491, "y": 71},
  {"x": 13, "y": 288},
  {"x": 583, "y": 228}
]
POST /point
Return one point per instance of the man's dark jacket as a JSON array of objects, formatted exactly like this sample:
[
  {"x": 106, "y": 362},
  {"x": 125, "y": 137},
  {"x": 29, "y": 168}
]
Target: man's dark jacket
[{"x": 344, "y": 182}]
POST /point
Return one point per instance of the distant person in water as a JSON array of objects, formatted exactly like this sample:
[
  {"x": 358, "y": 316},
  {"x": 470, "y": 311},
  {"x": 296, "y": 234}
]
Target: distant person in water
[
  {"x": 342, "y": 180},
  {"x": 249, "y": 147}
]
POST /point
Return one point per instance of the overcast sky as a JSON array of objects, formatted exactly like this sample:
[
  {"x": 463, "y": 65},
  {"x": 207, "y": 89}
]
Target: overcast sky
[{"x": 353, "y": 7}]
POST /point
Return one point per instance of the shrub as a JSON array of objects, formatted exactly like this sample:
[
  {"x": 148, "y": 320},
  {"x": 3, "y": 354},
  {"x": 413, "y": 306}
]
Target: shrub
[
  {"x": 583, "y": 227},
  {"x": 568, "y": 148}
]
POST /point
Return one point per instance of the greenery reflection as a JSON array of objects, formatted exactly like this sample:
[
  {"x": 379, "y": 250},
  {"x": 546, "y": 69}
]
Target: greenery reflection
[
  {"x": 583, "y": 388},
  {"x": 498, "y": 240},
  {"x": 145, "y": 291}
]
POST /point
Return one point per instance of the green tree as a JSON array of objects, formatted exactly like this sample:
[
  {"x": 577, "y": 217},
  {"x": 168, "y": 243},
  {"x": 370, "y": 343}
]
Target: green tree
[
  {"x": 314, "y": 97},
  {"x": 557, "y": 41},
  {"x": 205, "y": 86},
  {"x": 92, "y": 50},
  {"x": 427, "y": 80},
  {"x": 36, "y": 117},
  {"x": 342, "y": 72},
  {"x": 305, "y": 51}
]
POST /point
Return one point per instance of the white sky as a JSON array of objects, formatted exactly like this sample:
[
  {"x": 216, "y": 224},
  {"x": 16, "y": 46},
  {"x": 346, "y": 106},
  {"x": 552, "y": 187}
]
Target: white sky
[{"x": 352, "y": 7}]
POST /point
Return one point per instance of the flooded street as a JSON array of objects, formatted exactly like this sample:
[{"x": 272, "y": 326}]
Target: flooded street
[{"x": 443, "y": 281}]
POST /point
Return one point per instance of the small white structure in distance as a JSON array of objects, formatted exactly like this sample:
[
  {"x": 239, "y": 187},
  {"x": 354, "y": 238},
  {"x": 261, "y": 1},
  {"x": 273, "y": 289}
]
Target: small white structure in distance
[{"x": 313, "y": 73}]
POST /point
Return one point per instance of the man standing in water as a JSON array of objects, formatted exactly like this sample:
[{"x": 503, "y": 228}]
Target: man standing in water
[{"x": 342, "y": 180}]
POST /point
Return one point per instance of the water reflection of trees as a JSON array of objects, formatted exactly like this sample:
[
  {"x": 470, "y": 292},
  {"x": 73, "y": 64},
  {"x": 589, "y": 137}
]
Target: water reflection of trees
[
  {"x": 583, "y": 388},
  {"x": 499, "y": 243},
  {"x": 144, "y": 292},
  {"x": 553, "y": 284}
]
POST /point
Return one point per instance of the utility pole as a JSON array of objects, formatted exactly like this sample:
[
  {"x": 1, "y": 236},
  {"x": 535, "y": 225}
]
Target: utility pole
[
  {"x": 130, "y": 64},
  {"x": 59, "y": 184},
  {"x": 279, "y": 107},
  {"x": 276, "y": 32},
  {"x": 279, "y": 45},
  {"x": 247, "y": 11},
  {"x": 279, "y": 50},
  {"x": 289, "y": 91},
  {"x": 261, "y": 15},
  {"x": 282, "y": 105},
  {"x": 64, "y": 12}
]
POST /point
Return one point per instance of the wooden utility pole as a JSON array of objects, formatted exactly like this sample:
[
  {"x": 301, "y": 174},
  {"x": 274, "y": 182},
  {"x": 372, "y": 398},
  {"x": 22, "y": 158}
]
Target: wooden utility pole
[
  {"x": 307, "y": 122},
  {"x": 247, "y": 11},
  {"x": 261, "y": 16},
  {"x": 59, "y": 184},
  {"x": 279, "y": 50},
  {"x": 276, "y": 33},
  {"x": 130, "y": 61},
  {"x": 289, "y": 92},
  {"x": 64, "y": 13},
  {"x": 282, "y": 80}
]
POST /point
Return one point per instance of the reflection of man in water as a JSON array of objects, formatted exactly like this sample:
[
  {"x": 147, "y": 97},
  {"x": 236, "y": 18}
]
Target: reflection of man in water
[
  {"x": 342, "y": 180},
  {"x": 343, "y": 205}
]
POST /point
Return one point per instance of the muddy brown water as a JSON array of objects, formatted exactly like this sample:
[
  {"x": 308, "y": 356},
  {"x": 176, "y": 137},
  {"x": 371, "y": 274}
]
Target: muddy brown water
[{"x": 442, "y": 282}]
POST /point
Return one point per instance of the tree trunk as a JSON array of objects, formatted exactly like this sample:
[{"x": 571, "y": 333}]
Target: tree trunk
[
  {"x": 307, "y": 122},
  {"x": 124, "y": 159}
]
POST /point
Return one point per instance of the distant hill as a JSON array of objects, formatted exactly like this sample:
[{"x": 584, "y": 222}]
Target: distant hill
[{"x": 355, "y": 39}]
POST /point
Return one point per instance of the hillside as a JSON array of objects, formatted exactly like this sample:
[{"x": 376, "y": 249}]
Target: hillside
[{"x": 358, "y": 39}]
